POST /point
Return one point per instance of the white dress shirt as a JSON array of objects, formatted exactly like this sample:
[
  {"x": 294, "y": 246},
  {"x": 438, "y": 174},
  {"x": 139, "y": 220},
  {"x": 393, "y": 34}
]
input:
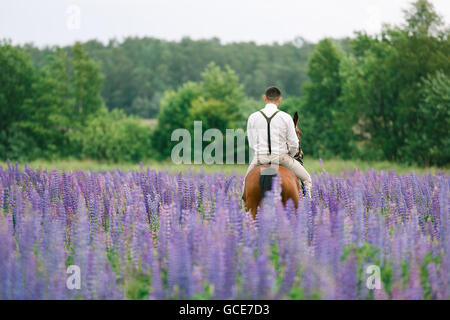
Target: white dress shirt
[{"x": 283, "y": 136}]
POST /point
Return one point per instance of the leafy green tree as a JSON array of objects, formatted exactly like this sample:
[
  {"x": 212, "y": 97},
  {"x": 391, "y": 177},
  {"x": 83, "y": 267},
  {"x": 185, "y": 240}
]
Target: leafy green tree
[
  {"x": 212, "y": 113},
  {"x": 145, "y": 107},
  {"x": 146, "y": 67},
  {"x": 423, "y": 47},
  {"x": 52, "y": 106},
  {"x": 422, "y": 20},
  {"x": 175, "y": 106},
  {"x": 291, "y": 105},
  {"x": 368, "y": 94},
  {"x": 221, "y": 99},
  {"x": 430, "y": 143},
  {"x": 112, "y": 136},
  {"x": 16, "y": 78},
  {"x": 216, "y": 101},
  {"x": 122, "y": 80},
  {"x": 88, "y": 82},
  {"x": 328, "y": 134},
  {"x": 382, "y": 85}
]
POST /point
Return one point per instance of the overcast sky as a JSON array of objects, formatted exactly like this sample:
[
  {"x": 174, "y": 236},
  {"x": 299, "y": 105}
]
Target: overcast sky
[{"x": 61, "y": 22}]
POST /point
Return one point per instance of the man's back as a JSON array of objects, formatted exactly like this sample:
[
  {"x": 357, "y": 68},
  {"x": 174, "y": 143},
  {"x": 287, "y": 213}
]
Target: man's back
[{"x": 283, "y": 137}]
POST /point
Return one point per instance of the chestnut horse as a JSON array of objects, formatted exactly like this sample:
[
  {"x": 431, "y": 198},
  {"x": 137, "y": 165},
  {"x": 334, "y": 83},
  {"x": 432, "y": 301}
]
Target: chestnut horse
[{"x": 256, "y": 184}]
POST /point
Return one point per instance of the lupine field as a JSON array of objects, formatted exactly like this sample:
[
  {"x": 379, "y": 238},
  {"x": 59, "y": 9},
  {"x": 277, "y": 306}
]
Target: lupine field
[{"x": 153, "y": 235}]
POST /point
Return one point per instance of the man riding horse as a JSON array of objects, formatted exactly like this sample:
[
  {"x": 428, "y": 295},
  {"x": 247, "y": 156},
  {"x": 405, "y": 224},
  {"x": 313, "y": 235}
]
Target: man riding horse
[{"x": 274, "y": 137}]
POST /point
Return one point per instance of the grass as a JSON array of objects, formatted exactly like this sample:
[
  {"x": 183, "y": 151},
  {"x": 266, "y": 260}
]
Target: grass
[{"x": 334, "y": 166}]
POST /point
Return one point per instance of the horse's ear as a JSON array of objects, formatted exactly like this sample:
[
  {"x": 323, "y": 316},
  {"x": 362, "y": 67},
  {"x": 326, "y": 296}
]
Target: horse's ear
[{"x": 295, "y": 118}]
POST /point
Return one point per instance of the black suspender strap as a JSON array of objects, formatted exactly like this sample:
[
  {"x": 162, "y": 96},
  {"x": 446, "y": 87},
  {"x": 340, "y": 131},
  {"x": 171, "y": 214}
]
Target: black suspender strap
[{"x": 268, "y": 119}]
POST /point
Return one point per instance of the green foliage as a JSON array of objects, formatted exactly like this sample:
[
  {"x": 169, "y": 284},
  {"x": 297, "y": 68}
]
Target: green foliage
[
  {"x": 296, "y": 293},
  {"x": 385, "y": 90},
  {"x": 425, "y": 277},
  {"x": 16, "y": 78},
  {"x": 144, "y": 107},
  {"x": 422, "y": 19},
  {"x": 220, "y": 100},
  {"x": 212, "y": 113},
  {"x": 328, "y": 133},
  {"x": 112, "y": 136},
  {"x": 291, "y": 105},
  {"x": 88, "y": 82},
  {"x": 138, "y": 286},
  {"x": 216, "y": 101},
  {"x": 50, "y": 110},
  {"x": 58, "y": 111},
  {"x": 146, "y": 67},
  {"x": 175, "y": 107},
  {"x": 430, "y": 143},
  {"x": 207, "y": 294}
]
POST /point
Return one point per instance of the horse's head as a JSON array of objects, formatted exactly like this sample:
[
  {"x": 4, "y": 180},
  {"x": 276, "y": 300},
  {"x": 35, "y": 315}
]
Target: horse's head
[
  {"x": 299, "y": 132},
  {"x": 298, "y": 156}
]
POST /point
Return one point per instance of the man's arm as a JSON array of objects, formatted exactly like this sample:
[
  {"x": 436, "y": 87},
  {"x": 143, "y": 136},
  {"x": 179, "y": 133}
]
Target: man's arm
[
  {"x": 292, "y": 139},
  {"x": 251, "y": 133}
]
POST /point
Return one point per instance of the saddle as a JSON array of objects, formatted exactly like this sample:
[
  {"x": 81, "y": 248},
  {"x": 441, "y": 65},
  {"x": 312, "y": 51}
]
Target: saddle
[{"x": 266, "y": 176}]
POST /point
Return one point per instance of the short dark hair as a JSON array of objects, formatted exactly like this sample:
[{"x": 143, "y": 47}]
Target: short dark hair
[{"x": 273, "y": 93}]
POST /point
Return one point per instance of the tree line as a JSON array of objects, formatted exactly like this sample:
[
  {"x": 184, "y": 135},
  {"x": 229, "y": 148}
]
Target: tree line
[
  {"x": 137, "y": 71},
  {"x": 383, "y": 96},
  {"x": 57, "y": 111}
]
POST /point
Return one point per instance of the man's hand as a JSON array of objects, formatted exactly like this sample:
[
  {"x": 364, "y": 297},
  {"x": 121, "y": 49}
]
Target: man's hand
[
  {"x": 299, "y": 153},
  {"x": 299, "y": 156}
]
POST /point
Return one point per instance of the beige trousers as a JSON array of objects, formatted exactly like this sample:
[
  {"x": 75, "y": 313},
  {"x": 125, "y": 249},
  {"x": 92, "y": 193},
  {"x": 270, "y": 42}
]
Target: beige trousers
[{"x": 286, "y": 161}]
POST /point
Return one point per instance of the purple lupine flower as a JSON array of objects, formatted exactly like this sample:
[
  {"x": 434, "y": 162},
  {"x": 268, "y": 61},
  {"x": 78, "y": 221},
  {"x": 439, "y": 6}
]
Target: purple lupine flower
[
  {"x": 414, "y": 291},
  {"x": 348, "y": 277},
  {"x": 179, "y": 266},
  {"x": 433, "y": 280},
  {"x": 157, "y": 289},
  {"x": 229, "y": 266},
  {"x": 249, "y": 274},
  {"x": 290, "y": 274},
  {"x": 113, "y": 221},
  {"x": 266, "y": 277}
]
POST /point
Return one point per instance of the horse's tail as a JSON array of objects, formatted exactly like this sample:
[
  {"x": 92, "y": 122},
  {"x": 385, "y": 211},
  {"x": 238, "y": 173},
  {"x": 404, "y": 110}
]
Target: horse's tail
[{"x": 265, "y": 179}]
